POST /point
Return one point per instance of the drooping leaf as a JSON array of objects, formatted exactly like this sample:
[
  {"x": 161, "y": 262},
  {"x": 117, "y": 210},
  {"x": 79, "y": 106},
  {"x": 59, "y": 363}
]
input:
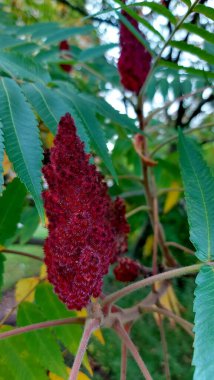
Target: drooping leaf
[
  {"x": 199, "y": 192},
  {"x": 21, "y": 138},
  {"x": 172, "y": 197},
  {"x": 1, "y": 157},
  {"x": 204, "y": 324},
  {"x": 53, "y": 308},
  {"x": 41, "y": 342},
  {"x": 17, "y": 363},
  {"x": 23, "y": 67},
  {"x": 25, "y": 289},
  {"x": 11, "y": 204}
]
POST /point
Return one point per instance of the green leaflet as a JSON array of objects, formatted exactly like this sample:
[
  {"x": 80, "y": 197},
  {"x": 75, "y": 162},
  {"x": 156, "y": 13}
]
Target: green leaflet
[
  {"x": 204, "y": 324},
  {"x": 53, "y": 308},
  {"x": 41, "y": 342},
  {"x": 160, "y": 9},
  {"x": 11, "y": 204},
  {"x": 49, "y": 106},
  {"x": 205, "y": 10},
  {"x": 95, "y": 52},
  {"x": 21, "y": 138},
  {"x": 189, "y": 70},
  {"x": 88, "y": 119},
  {"x": 201, "y": 32},
  {"x": 64, "y": 33},
  {"x": 1, "y": 157},
  {"x": 199, "y": 193},
  {"x": 17, "y": 363},
  {"x": 23, "y": 67},
  {"x": 201, "y": 54}
]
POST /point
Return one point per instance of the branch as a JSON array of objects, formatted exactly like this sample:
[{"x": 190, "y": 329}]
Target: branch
[
  {"x": 151, "y": 280},
  {"x": 168, "y": 104},
  {"x": 90, "y": 326},
  {"x": 164, "y": 346},
  {"x": 121, "y": 332},
  {"x": 174, "y": 138},
  {"x": 181, "y": 247},
  {"x": 136, "y": 210},
  {"x": 29, "y": 255},
  {"x": 42, "y": 325}
]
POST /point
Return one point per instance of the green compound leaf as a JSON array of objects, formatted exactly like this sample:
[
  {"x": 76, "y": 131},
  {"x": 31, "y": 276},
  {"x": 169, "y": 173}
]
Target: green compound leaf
[
  {"x": 52, "y": 308},
  {"x": 21, "y": 138},
  {"x": 11, "y": 204},
  {"x": 41, "y": 342},
  {"x": 17, "y": 363},
  {"x": 23, "y": 67},
  {"x": 199, "y": 193},
  {"x": 205, "y": 11},
  {"x": 204, "y": 324}
]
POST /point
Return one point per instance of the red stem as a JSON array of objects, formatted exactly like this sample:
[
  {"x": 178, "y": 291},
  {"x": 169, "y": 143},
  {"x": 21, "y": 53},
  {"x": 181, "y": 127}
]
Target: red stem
[
  {"x": 90, "y": 326},
  {"x": 41, "y": 325},
  {"x": 121, "y": 332}
]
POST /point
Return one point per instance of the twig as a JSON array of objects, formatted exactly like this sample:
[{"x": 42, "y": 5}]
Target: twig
[
  {"x": 136, "y": 210},
  {"x": 164, "y": 346},
  {"x": 187, "y": 326},
  {"x": 42, "y": 325},
  {"x": 168, "y": 104},
  {"x": 174, "y": 138},
  {"x": 156, "y": 234},
  {"x": 123, "y": 367},
  {"x": 90, "y": 326},
  {"x": 151, "y": 280},
  {"x": 29, "y": 255},
  {"x": 121, "y": 332},
  {"x": 169, "y": 189},
  {"x": 180, "y": 246}
]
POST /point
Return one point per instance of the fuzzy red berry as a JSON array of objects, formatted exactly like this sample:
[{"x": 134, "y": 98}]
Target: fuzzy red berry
[
  {"x": 65, "y": 46},
  {"x": 127, "y": 269},
  {"x": 87, "y": 231},
  {"x": 135, "y": 61}
]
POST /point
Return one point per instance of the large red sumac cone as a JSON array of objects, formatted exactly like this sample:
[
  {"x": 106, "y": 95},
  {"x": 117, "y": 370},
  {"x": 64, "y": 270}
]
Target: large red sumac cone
[
  {"x": 87, "y": 231},
  {"x": 135, "y": 61}
]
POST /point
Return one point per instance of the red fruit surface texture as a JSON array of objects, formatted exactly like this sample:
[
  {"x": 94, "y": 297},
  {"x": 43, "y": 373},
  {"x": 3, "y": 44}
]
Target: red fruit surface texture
[
  {"x": 135, "y": 61},
  {"x": 87, "y": 230},
  {"x": 127, "y": 269}
]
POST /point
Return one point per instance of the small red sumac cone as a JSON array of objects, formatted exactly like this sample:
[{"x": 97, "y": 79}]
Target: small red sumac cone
[
  {"x": 64, "y": 46},
  {"x": 127, "y": 269},
  {"x": 135, "y": 61},
  {"x": 87, "y": 231}
]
